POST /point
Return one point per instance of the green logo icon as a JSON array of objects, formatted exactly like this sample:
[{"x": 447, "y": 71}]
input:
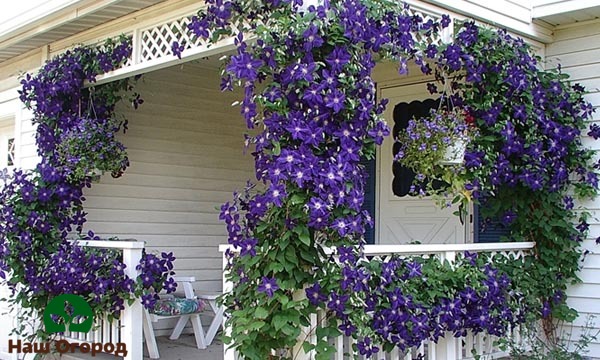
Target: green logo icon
[{"x": 66, "y": 309}]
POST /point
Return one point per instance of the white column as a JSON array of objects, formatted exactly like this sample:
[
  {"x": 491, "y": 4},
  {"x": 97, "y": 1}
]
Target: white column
[
  {"x": 228, "y": 352},
  {"x": 131, "y": 331},
  {"x": 447, "y": 347}
]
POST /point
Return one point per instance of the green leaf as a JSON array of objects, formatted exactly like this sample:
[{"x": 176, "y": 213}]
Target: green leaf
[{"x": 261, "y": 313}]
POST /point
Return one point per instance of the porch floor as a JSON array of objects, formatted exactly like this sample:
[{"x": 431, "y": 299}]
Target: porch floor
[
  {"x": 182, "y": 349},
  {"x": 185, "y": 348}
]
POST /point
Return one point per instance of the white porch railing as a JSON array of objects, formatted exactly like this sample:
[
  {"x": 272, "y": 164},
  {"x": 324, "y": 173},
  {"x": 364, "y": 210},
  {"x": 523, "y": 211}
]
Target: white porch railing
[
  {"x": 447, "y": 348},
  {"x": 128, "y": 329}
]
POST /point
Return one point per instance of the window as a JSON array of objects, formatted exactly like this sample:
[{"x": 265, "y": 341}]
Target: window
[{"x": 7, "y": 146}]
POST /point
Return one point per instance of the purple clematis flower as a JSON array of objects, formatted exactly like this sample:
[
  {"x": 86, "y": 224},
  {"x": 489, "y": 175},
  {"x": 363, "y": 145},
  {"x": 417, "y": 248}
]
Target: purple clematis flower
[{"x": 268, "y": 286}]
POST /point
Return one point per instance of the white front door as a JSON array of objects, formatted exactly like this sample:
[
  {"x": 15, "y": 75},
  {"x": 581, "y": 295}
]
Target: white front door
[{"x": 402, "y": 218}]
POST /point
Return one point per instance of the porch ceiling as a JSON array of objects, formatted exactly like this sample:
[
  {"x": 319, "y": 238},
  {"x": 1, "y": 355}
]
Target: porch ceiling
[
  {"x": 565, "y": 12},
  {"x": 49, "y": 22}
]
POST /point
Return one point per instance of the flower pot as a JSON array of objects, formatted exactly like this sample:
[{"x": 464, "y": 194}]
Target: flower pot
[
  {"x": 455, "y": 153},
  {"x": 95, "y": 173}
]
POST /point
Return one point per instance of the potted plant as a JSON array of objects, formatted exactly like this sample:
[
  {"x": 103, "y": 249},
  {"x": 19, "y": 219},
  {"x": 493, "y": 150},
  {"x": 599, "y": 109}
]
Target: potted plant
[
  {"x": 90, "y": 148},
  {"x": 433, "y": 147}
]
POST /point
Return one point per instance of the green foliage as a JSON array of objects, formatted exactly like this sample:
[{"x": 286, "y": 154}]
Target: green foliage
[
  {"x": 559, "y": 346},
  {"x": 285, "y": 253}
]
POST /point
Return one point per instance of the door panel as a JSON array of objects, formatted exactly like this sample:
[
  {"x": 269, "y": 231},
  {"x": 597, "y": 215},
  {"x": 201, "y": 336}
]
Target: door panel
[{"x": 404, "y": 219}]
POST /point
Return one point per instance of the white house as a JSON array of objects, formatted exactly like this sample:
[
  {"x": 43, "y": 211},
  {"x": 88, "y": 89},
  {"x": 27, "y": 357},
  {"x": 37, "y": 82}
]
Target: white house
[{"x": 185, "y": 142}]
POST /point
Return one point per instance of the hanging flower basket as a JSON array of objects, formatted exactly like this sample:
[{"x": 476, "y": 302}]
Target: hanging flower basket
[{"x": 455, "y": 153}]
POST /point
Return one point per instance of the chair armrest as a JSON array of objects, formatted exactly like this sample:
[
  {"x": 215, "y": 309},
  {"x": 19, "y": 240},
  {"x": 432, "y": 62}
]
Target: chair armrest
[{"x": 182, "y": 279}]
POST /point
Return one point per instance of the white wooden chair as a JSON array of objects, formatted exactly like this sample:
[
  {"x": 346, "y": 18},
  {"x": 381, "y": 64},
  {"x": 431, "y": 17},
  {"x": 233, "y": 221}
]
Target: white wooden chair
[
  {"x": 217, "y": 321},
  {"x": 194, "y": 317}
]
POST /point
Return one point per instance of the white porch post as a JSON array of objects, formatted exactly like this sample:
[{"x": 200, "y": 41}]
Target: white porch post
[
  {"x": 131, "y": 331},
  {"x": 448, "y": 347},
  {"x": 228, "y": 352},
  {"x": 307, "y": 333}
]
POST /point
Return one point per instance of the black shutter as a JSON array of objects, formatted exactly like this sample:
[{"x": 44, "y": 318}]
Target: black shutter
[{"x": 369, "y": 202}]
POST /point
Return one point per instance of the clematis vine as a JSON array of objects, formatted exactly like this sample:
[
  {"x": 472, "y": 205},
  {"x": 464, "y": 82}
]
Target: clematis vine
[
  {"x": 310, "y": 98},
  {"x": 42, "y": 212}
]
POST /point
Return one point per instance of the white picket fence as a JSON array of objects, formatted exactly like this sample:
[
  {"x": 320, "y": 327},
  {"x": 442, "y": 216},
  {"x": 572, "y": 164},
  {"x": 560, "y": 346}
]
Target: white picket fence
[{"x": 448, "y": 347}]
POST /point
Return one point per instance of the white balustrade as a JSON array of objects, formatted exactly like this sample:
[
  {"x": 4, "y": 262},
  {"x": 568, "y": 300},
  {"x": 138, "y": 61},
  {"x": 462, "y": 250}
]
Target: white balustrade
[{"x": 447, "y": 348}]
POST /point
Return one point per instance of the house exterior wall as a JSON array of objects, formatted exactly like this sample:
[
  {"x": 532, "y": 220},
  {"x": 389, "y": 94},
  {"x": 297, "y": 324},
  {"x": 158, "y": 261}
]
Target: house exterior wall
[
  {"x": 577, "y": 49},
  {"x": 185, "y": 145},
  {"x": 186, "y": 149},
  {"x": 185, "y": 142}
]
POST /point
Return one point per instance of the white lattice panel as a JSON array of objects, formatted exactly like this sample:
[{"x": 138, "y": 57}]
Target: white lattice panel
[
  {"x": 511, "y": 254},
  {"x": 156, "y": 42},
  {"x": 430, "y": 39}
]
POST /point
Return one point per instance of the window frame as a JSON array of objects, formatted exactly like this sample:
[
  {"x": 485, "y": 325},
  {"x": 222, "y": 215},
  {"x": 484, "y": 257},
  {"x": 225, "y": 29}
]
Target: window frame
[{"x": 7, "y": 133}]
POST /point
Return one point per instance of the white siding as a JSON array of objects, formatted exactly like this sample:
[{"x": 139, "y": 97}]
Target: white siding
[
  {"x": 26, "y": 149},
  {"x": 186, "y": 149},
  {"x": 578, "y": 50}
]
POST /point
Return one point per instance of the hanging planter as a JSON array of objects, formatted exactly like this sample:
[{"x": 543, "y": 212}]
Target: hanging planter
[
  {"x": 434, "y": 148},
  {"x": 455, "y": 152},
  {"x": 90, "y": 148},
  {"x": 440, "y": 138}
]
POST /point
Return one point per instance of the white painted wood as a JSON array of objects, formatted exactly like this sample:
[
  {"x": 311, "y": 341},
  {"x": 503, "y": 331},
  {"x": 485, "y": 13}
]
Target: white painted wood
[
  {"x": 7, "y": 138},
  {"x": 575, "y": 50},
  {"x": 447, "y": 348},
  {"x": 373, "y": 250},
  {"x": 401, "y": 220},
  {"x": 127, "y": 330},
  {"x": 512, "y": 15},
  {"x": 7, "y": 318},
  {"x": 122, "y": 244},
  {"x": 546, "y": 8},
  {"x": 228, "y": 351},
  {"x": 26, "y": 150},
  {"x": 9, "y": 132},
  {"x": 131, "y": 331}
]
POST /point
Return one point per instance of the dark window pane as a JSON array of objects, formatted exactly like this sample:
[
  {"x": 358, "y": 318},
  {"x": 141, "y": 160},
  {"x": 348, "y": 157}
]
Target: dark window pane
[
  {"x": 403, "y": 113},
  {"x": 11, "y": 152}
]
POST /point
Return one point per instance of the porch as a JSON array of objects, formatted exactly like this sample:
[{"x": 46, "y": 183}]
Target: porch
[
  {"x": 187, "y": 157},
  {"x": 468, "y": 347}
]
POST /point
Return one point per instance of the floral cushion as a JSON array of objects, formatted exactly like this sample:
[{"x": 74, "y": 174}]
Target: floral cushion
[{"x": 178, "y": 306}]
